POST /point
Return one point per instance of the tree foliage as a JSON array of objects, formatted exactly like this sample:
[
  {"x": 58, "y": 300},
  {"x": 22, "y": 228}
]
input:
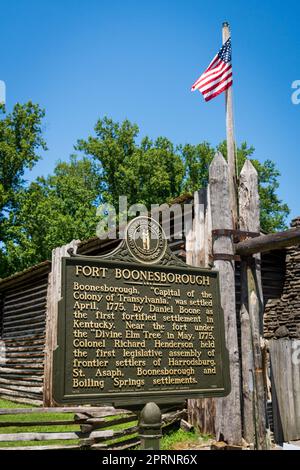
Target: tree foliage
[
  {"x": 197, "y": 158},
  {"x": 20, "y": 141},
  {"x": 53, "y": 210},
  {"x": 150, "y": 172}
]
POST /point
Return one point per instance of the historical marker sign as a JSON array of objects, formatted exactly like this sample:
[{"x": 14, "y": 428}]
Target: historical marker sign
[{"x": 131, "y": 332}]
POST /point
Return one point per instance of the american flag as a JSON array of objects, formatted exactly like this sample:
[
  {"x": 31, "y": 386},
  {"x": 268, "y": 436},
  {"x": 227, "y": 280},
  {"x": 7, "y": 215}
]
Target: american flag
[{"x": 218, "y": 75}]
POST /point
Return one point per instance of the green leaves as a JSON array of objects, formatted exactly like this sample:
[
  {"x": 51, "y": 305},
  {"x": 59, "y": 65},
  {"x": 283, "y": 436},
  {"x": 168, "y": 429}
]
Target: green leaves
[
  {"x": 20, "y": 140},
  {"x": 53, "y": 210},
  {"x": 197, "y": 159},
  {"x": 150, "y": 172}
]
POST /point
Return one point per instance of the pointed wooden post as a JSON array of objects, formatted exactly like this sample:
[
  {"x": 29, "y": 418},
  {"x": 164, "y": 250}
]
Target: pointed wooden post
[
  {"x": 254, "y": 401},
  {"x": 201, "y": 412},
  {"x": 228, "y": 409},
  {"x": 53, "y": 297},
  {"x": 247, "y": 205}
]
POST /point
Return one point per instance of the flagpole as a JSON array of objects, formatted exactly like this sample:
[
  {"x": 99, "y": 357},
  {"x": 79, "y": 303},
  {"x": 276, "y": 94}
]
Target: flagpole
[{"x": 230, "y": 141}]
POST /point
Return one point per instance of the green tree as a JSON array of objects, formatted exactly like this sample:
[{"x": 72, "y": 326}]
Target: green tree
[
  {"x": 51, "y": 212},
  {"x": 150, "y": 172},
  {"x": 197, "y": 158},
  {"x": 273, "y": 211},
  {"x": 20, "y": 141},
  {"x": 155, "y": 172}
]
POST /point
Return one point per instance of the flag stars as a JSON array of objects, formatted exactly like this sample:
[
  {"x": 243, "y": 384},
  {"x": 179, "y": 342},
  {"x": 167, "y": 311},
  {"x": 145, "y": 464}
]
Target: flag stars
[{"x": 218, "y": 75}]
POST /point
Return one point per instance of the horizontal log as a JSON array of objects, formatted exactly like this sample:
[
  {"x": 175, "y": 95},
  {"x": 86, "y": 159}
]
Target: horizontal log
[
  {"x": 24, "y": 335},
  {"x": 101, "y": 412},
  {"x": 60, "y": 422},
  {"x": 66, "y": 409},
  {"x": 38, "y": 436},
  {"x": 93, "y": 246},
  {"x": 102, "y": 423},
  {"x": 99, "y": 436},
  {"x": 24, "y": 360},
  {"x": 23, "y": 378},
  {"x": 51, "y": 436},
  {"x": 17, "y": 383},
  {"x": 25, "y": 326},
  {"x": 80, "y": 418},
  {"x": 36, "y": 303},
  {"x": 31, "y": 365},
  {"x": 17, "y": 319},
  {"x": 25, "y": 350},
  {"x": 42, "y": 447},
  {"x": 20, "y": 387},
  {"x": 39, "y": 291},
  {"x": 12, "y": 288},
  {"x": 14, "y": 393},
  {"x": 123, "y": 445},
  {"x": 173, "y": 417},
  {"x": 11, "y": 335},
  {"x": 102, "y": 436},
  {"x": 21, "y": 354},
  {"x": 8, "y": 370},
  {"x": 273, "y": 241},
  {"x": 273, "y": 276},
  {"x": 27, "y": 401},
  {"x": 34, "y": 340}
]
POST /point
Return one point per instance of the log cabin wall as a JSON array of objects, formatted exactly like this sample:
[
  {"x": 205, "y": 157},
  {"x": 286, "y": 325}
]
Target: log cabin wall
[
  {"x": 282, "y": 313},
  {"x": 273, "y": 275},
  {"x": 282, "y": 329},
  {"x": 23, "y": 313}
]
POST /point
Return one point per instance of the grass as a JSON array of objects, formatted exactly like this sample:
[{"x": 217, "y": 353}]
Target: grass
[
  {"x": 32, "y": 418},
  {"x": 53, "y": 428},
  {"x": 11, "y": 404},
  {"x": 183, "y": 440},
  {"x": 174, "y": 440}
]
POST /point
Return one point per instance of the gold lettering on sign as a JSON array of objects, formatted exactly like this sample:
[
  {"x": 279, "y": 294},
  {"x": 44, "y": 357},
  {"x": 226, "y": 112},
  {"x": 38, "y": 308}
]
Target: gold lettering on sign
[{"x": 140, "y": 329}]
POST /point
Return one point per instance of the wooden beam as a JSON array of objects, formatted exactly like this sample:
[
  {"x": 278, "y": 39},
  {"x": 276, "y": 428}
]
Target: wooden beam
[
  {"x": 232, "y": 177},
  {"x": 53, "y": 297},
  {"x": 228, "y": 410},
  {"x": 248, "y": 211},
  {"x": 99, "y": 411},
  {"x": 201, "y": 411},
  {"x": 273, "y": 241},
  {"x": 253, "y": 403}
]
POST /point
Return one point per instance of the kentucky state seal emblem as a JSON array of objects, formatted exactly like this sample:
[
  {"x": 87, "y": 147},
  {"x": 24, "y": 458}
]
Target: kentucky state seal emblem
[{"x": 145, "y": 240}]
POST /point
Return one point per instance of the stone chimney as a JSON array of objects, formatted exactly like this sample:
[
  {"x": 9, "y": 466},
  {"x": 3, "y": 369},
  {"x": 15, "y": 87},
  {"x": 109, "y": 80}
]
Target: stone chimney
[{"x": 282, "y": 316}]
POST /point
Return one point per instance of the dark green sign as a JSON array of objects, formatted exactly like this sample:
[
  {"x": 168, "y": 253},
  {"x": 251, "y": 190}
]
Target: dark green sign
[{"x": 130, "y": 333}]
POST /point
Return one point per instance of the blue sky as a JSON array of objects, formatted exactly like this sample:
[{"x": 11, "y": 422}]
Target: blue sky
[{"x": 81, "y": 60}]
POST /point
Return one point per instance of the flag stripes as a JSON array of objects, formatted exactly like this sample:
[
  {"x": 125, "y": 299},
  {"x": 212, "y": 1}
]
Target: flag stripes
[{"x": 218, "y": 75}]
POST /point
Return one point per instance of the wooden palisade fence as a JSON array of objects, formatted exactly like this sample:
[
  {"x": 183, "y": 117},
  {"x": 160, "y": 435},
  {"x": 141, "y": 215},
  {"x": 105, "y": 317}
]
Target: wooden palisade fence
[
  {"x": 242, "y": 413},
  {"x": 251, "y": 315}
]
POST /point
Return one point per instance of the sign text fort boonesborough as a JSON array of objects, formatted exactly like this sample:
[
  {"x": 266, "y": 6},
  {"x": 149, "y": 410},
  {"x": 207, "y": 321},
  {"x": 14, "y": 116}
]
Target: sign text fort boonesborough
[{"x": 131, "y": 332}]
